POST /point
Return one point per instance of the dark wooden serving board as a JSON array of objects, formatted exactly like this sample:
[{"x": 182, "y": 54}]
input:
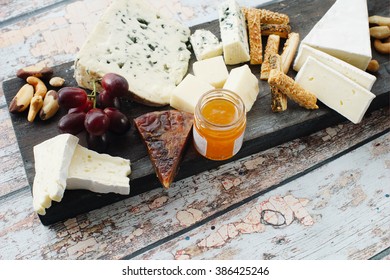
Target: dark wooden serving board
[{"x": 265, "y": 129}]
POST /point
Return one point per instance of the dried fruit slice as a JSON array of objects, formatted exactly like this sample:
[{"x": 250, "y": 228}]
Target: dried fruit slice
[{"x": 165, "y": 134}]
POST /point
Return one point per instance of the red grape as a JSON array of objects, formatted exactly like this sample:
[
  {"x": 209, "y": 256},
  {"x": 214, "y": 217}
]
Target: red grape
[
  {"x": 104, "y": 100},
  {"x": 72, "y": 123},
  {"x": 115, "y": 85},
  {"x": 71, "y": 97},
  {"x": 83, "y": 108},
  {"x": 119, "y": 123},
  {"x": 98, "y": 143},
  {"x": 96, "y": 122}
]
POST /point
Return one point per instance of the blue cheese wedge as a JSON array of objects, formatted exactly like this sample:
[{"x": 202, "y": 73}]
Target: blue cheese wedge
[
  {"x": 233, "y": 33},
  {"x": 343, "y": 32},
  {"x": 52, "y": 160},
  {"x": 133, "y": 40},
  {"x": 99, "y": 173},
  {"x": 335, "y": 90},
  {"x": 205, "y": 44}
]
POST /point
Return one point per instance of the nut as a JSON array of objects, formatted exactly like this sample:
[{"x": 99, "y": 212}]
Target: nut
[
  {"x": 381, "y": 46},
  {"x": 22, "y": 99},
  {"x": 39, "y": 86},
  {"x": 56, "y": 82},
  {"x": 380, "y": 32},
  {"x": 35, "y": 71},
  {"x": 50, "y": 105},
  {"x": 379, "y": 20},
  {"x": 373, "y": 66},
  {"x": 35, "y": 105}
]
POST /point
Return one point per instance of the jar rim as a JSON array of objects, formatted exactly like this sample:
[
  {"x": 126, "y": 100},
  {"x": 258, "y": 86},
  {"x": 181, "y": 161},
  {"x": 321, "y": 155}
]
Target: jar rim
[{"x": 221, "y": 93}]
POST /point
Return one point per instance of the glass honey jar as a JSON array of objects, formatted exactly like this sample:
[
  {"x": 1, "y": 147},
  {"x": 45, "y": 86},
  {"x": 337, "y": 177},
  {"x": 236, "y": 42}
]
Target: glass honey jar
[{"x": 219, "y": 124}]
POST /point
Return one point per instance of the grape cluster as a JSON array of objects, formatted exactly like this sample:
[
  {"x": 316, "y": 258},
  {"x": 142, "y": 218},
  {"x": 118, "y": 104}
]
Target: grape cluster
[{"x": 96, "y": 113}]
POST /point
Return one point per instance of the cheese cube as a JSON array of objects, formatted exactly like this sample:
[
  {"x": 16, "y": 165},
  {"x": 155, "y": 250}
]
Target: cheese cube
[
  {"x": 186, "y": 95},
  {"x": 96, "y": 172},
  {"x": 343, "y": 32},
  {"x": 245, "y": 84},
  {"x": 233, "y": 33},
  {"x": 211, "y": 70},
  {"x": 335, "y": 90},
  {"x": 52, "y": 159},
  {"x": 205, "y": 44},
  {"x": 357, "y": 75}
]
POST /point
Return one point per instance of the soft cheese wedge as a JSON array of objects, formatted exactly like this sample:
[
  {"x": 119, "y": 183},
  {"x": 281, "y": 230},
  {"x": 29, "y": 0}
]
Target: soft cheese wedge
[
  {"x": 212, "y": 70},
  {"x": 99, "y": 173},
  {"x": 335, "y": 90},
  {"x": 186, "y": 95},
  {"x": 205, "y": 44},
  {"x": 343, "y": 32},
  {"x": 52, "y": 159},
  {"x": 357, "y": 75},
  {"x": 233, "y": 33},
  {"x": 132, "y": 39},
  {"x": 245, "y": 84}
]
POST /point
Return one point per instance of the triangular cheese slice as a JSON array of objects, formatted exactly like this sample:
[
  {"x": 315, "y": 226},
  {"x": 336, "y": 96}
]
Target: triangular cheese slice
[
  {"x": 343, "y": 32},
  {"x": 165, "y": 135}
]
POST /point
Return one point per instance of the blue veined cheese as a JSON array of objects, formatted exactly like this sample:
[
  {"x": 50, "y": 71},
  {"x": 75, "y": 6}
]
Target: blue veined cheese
[
  {"x": 52, "y": 159},
  {"x": 357, "y": 75},
  {"x": 205, "y": 44},
  {"x": 135, "y": 41},
  {"x": 334, "y": 89},
  {"x": 343, "y": 32},
  {"x": 96, "y": 172},
  {"x": 233, "y": 33}
]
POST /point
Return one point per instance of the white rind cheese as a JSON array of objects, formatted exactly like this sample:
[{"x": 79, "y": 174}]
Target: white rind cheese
[
  {"x": 96, "y": 172},
  {"x": 135, "y": 41},
  {"x": 343, "y": 32},
  {"x": 205, "y": 44},
  {"x": 212, "y": 70},
  {"x": 335, "y": 90},
  {"x": 357, "y": 75},
  {"x": 52, "y": 159},
  {"x": 244, "y": 83},
  {"x": 233, "y": 33},
  {"x": 186, "y": 95}
]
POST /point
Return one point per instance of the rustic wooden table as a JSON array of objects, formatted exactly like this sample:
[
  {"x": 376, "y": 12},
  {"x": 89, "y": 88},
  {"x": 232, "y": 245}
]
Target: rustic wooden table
[{"x": 336, "y": 181}]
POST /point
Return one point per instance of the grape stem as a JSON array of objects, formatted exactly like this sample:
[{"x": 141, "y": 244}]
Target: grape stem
[{"x": 93, "y": 94}]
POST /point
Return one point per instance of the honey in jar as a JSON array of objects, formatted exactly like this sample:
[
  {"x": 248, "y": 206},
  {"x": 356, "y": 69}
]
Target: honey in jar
[{"x": 219, "y": 124}]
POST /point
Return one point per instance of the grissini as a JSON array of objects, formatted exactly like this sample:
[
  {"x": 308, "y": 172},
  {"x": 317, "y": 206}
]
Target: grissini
[
  {"x": 273, "y": 17},
  {"x": 292, "y": 89},
  {"x": 252, "y": 17},
  {"x": 278, "y": 98},
  {"x": 289, "y": 50},
  {"x": 271, "y": 48},
  {"x": 278, "y": 29}
]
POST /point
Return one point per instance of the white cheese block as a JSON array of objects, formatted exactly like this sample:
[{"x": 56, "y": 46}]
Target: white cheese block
[
  {"x": 357, "y": 75},
  {"x": 245, "y": 84},
  {"x": 233, "y": 33},
  {"x": 52, "y": 159},
  {"x": 205, "y": 44},
  {"x": 186, "y": 95},
  {"x": 211, "y": 70},
  {"x": 343, "y": 32},
  {"x": 96, "y": 172},
  {"x": 132, "y": 39},
  {"x": 335, "y": 90}
]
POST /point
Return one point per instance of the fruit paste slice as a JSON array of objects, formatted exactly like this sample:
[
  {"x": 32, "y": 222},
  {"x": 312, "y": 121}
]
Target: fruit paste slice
[{"x": 165, "y": 134}]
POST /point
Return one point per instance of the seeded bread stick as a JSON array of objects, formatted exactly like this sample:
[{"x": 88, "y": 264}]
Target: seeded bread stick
[
  {"x": 255, "y": 46},
  {"x": 273, "y": 17},
  {"x": 289, "y": 50},
  {"x": 271, "y": 48},
  {"x": 278, "y": 98},
  {"x": 278, "y": 29},
  {"x": 292, "y": 89}
]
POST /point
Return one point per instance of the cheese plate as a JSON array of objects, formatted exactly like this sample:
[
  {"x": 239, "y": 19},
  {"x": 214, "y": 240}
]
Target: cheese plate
[{"x": 265, "y": 128}]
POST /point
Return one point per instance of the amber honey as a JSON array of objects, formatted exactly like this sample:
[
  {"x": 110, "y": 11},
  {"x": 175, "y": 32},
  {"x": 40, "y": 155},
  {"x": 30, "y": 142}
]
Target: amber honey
[{"x": 219, "y": 124}]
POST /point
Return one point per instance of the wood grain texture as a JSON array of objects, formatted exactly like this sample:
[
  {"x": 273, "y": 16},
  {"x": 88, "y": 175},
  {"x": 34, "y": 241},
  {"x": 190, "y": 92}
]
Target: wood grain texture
[
  {"x": 264, "y": 129},
  {"x": 123, "y": 228}
]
